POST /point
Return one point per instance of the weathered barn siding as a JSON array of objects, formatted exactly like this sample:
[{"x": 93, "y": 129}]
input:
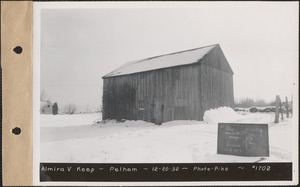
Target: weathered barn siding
[
  {"x": 216, "y": 81},
  {"x": 172, "y": 93},
  {"x": 176, "y": 93}
]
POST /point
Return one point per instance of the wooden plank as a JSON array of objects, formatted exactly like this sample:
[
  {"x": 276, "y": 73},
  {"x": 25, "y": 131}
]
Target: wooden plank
[
  {"x": 148, "y": 110},
  {"x": 135, "y": 97},
  {"x": 130, "y": 83}
]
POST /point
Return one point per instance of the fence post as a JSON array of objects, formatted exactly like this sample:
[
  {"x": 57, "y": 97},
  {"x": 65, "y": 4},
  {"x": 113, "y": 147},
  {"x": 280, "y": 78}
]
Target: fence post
[
  {"x": 277, "y": 109},
  {"x": 280, "y": 109},
  {"x": 287, "y": 106},
  {"x": 292, "y": 105}
]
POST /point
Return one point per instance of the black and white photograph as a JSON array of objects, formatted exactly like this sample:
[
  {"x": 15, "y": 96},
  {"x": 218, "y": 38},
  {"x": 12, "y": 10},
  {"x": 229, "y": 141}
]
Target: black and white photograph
[{"x": 165, "y": 83}]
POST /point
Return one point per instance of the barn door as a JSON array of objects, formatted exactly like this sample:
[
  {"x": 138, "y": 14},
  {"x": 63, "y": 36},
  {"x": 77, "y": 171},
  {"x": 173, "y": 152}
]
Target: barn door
[{"x": 158, "y": 111}]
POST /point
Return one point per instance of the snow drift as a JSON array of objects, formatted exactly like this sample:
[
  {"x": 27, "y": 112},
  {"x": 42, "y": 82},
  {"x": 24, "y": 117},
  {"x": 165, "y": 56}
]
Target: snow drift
[{"x": 222, "y": 114}]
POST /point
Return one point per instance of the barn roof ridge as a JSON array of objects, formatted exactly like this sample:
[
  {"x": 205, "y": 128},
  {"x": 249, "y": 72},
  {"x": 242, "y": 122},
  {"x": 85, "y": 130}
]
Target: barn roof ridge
[
  {"x": 118, "y": 71},
  {"x": 173, "y": 53}
]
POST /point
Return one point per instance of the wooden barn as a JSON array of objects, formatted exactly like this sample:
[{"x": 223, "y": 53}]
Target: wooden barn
[{"x": 175, "y": 86}]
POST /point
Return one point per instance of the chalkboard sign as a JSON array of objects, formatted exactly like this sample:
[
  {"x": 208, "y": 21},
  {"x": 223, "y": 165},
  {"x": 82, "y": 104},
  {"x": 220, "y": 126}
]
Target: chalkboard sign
[{"x": 243, "y": 139}]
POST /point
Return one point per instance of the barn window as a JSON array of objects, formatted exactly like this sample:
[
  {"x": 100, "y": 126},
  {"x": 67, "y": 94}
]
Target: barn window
[{"x": 141, "y": 105}]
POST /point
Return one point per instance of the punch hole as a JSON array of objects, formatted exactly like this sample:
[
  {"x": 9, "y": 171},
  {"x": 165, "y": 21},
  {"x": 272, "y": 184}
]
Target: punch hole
[
  {"x": 18, "y": 50},
  {"x": 16, "y": 130}
]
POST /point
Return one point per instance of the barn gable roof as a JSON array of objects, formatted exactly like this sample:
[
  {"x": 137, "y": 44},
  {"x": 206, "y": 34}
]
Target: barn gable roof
[{"x": 163, "y": 61}]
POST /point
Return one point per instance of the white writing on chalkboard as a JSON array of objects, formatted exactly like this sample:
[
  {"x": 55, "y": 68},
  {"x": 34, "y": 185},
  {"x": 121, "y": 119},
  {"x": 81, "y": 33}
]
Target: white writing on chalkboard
[{"x": 243, "y": 139}]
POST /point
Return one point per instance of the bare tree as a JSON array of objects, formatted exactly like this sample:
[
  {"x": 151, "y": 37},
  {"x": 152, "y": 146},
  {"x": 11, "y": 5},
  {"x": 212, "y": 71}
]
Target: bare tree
[
  {"x": 260, "y": 103},
  {"x": 44, "y": 96},
  {"x": 69, "y": 109},
  {"x": 248, "y": 102},
  {"x": 245, "y": 103}
]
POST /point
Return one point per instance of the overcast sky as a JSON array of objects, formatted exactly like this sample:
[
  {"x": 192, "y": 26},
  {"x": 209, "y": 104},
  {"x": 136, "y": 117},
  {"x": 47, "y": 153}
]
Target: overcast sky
[{"x": 79, "y": 46}]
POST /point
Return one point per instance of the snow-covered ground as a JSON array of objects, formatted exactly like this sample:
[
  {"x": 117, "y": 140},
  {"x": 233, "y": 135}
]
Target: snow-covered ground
[{"x": 77, "y": 138}]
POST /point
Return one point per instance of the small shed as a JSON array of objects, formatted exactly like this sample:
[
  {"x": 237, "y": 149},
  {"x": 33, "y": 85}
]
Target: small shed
[
  {"x": 175, "y": 86},
  {"x": 46, "y": 107}
]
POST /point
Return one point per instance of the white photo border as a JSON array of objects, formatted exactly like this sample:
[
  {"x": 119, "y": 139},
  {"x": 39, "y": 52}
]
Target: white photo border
[{"x": 38, "y": 6}]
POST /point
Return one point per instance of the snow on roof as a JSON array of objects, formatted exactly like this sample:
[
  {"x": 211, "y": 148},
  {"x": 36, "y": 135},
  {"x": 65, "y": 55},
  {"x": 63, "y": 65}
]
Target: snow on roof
[{"x": 162, "y": 61}]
